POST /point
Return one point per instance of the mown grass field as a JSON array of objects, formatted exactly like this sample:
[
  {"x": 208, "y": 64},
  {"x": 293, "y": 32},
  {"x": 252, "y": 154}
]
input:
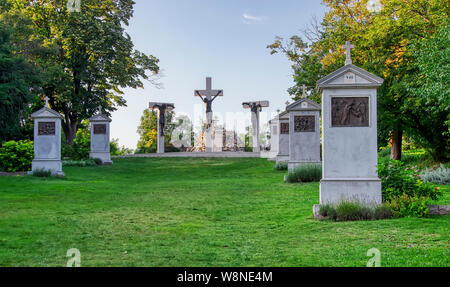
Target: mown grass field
[{"x": 197, "y": 212}]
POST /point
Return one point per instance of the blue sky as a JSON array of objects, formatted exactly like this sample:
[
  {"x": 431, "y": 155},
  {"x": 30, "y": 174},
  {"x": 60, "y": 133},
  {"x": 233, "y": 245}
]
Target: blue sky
[{"x": 224, "y": 39}]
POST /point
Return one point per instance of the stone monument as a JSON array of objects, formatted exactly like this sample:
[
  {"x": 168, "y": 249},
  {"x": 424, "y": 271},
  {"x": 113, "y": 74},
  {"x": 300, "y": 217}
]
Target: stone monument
[
  {"x": 47, "y": 141},
  {"x": 255, "y": 108},
  {"x": 100, "y": 136},
  {"x": 349, "y": 128},
  {"x": 162, "y": 108},
  {"x": 304, "y": 131},
  {"x": 208, "y": 96},
  {"x": 283, "y": 137}
]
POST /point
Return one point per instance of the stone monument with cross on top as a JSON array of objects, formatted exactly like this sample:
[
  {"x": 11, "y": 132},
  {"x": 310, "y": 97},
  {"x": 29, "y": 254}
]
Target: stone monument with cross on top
[
  {"x": 208, "y": 96},
  {"x": 100, "y": 137},
  {"x": 255, "y": 108},
  {"x": 162, "y": 108}
]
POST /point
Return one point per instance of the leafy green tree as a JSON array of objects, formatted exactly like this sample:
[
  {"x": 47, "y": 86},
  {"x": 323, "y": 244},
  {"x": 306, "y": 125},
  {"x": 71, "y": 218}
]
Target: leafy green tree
[
  {"x": 148, "y": 131},
  {"x": 86, "y": 58},
  {"x": 16, "y": 85},
  {"x": 428, "y": 103}
]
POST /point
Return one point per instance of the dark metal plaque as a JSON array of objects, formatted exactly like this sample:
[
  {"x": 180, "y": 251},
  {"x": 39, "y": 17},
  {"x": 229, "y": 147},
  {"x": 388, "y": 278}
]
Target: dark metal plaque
[
  {"x": 304, "y": 124},
  {"x": 46, "y": 128},
  {"x": 284, "y": 128},
  {"x": 350, "y": 112},
  {"x": 99, "y": 129}
]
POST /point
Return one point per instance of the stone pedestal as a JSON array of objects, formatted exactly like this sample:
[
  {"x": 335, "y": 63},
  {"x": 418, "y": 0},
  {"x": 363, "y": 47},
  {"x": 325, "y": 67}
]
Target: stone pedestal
[
  {"x": 209, "y": 133},
  {"x": 304, "y": 133},
  {"x": 283, "y": 138},
  {"x": 160, "y": 144},
  {"x": 349, "y": 128},
  {"x": 47, "y": 141},
  {"x": 100, "y": 138},
  {"x": 255, "y": 128},
  {"x": 217, "y": 140}
]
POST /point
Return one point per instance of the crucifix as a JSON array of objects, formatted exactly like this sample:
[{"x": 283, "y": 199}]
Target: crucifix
[
  {"x": 255, "y": 108},
  {"x": 348, "y": 55},
  {"x": 162, "y": 108},
  {"x": 208, "y": 96}
]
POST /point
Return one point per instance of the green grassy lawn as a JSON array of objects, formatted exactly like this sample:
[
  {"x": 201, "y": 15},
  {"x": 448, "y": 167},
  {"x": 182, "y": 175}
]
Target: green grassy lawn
[{"x": 196, "y": 212}]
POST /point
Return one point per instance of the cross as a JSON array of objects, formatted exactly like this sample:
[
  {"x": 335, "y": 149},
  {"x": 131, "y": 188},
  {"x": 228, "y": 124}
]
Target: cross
[
  {"x": 208, "y": 95},
  {"x": 46, "y": 102},
  {"x": 287, "y": 103},
  {"x": 348, "y": 55},
  {"x": 255, "y": 108},
  {"x": 99, "y": 109},
  {"x": 304, "y": 95}
]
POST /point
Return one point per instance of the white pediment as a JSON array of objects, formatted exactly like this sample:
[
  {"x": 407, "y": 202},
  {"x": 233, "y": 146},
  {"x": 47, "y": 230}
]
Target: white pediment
[
  {"x": 46, "y": 113},
  {"x": 284, "y": 115},
  {"x": 303, "y": 104},
  {"x": 350, "y": 76},
  {"x": 99, "y": 118}
]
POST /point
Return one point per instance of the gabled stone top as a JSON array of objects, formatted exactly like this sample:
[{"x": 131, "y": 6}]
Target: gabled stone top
[
  {"x": 350, "y": 76},
  {"x": 283, "y": 115},
  {"x": 100, "y": 118},
  {"x": 303, "y": 104},
  {"x": 47, "y": 113}
]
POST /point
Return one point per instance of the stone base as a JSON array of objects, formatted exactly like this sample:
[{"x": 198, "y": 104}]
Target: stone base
[
  {"x": 294, "y": 164},
  {"x": 104, "y": 156},
  {"x": 439, "y": 209},
  {"x": 282, "y": 158},
  {"x": 55, "y": 166},
  {"x": 316, "y": 209},
  {"x": 364, "y": 190}
]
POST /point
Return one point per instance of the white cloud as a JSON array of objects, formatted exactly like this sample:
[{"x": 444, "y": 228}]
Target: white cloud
[{"x": 250, "y": 19}]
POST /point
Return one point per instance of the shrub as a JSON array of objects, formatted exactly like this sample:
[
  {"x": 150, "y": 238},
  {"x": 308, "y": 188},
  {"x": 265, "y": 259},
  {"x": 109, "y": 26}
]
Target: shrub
[
  {"x": 441, "y": 175},
  {"x": 396, "y": 180},
  {"x": 42, "y": 173},
  {"x": 305, "y": 173},
  {"x": 409, "y": 206},
  {"x": 81, "y": 145},
  {"x": 16, "y": 155},
  {"x": 281, "y": 166},
  {"x": 82, "y": 163},
  {"x": 352, "y": 210},
  {"x": 98, "y": 161}
]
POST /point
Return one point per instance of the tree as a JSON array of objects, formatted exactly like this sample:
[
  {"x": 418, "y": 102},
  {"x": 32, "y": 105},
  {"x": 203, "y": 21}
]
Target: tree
[
  {"x": 16, "y": 86},
  {"x": 428, "y": 103},
  {"x": 384, "y": 41},
  {"x": 85, "y": 58},
  {"x": 148, "y": 131}
]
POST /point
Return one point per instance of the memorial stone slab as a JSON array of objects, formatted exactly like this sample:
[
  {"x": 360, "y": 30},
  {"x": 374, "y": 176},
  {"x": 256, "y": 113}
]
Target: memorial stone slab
[{"x": 100, "y": 137}]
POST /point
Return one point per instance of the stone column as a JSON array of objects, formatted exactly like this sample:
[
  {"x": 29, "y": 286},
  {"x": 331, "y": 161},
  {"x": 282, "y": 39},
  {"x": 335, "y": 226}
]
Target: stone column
[
  {"x": 255, "y": 126},
  {"x": 160, "y": 144},
  {"x": 349, "y": 128},
  {"x": 209, "y": 132},
  {"x": 274, "y": 136},
  {"x": 100, "y": 137},
  {"x": 304, "y": 132},
  {"x": 47, "y": 141}
]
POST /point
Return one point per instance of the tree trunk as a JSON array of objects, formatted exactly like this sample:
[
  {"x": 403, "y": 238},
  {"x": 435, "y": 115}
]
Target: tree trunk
[
  {"x": 69, "y": 127},
  {"x": 396, "y": 144}
]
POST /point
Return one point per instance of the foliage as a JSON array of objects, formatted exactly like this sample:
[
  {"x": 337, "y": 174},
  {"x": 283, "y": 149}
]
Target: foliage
[
  {"x": 117, "y": 150},
  {"x": 352, "y": 210},
  {"x": 16, "y": 87},
  {"x": 85, "y": 59},
  {"x": 42, "y": 173},
  {"x": 396, "y": 181},
  {"x": 81, "y": 146},
  {"x": 281, "y": 166},
  {"x": 440, "y": 175},
  {"x": 409, "y": 206},
  {"x": 428, "y": 103},
  {"x": 16, "y": 155},
  {"x": 98, "y": 161},
  {"x": 305, "y": 173},
  {"x": 80, "y": 163},
  {"x": 148, "y": 130}
]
